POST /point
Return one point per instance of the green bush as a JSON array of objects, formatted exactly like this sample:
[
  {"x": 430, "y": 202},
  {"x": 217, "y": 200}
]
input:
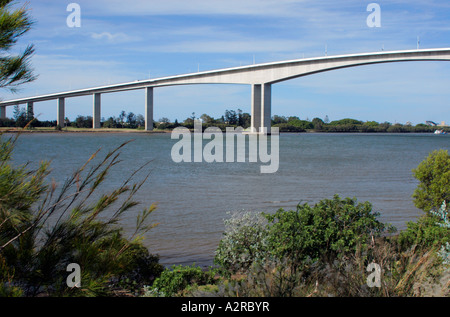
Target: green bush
[
  {"x": 431, "y": 232},
  {"x": 425, "y": 233},
  {"x": 330, "y": 229},
  {"x": 178, "y": 278},
  {"x": 434, "y": 176},
  {"x": 243, "y": 242}
]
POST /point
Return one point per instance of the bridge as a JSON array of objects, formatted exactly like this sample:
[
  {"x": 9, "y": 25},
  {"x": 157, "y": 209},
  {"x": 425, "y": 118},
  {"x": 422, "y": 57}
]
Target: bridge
[{"x": 260, "y": 77}]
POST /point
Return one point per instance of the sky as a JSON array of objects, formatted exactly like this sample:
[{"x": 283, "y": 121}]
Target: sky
[{"x": 123, "y": 41}]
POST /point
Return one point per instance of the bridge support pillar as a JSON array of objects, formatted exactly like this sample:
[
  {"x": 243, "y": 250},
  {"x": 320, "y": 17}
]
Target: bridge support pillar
[
  {"x": 149, "y": 109},
  {"x": 96, "y": 111},
  {"x": 30, "y": 111},
  {"x": 60, "y": 112},
  {"x": 256, "y": 108},
  {"x": 261, "y": 108},
  {"x": 266, "y": 109},
  {"x": 2, "y": 112}
]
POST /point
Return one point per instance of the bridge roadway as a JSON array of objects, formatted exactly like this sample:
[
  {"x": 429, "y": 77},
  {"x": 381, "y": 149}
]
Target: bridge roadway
[{"x": 259, "y": 76}]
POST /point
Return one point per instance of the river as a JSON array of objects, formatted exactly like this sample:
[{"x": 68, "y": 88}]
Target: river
[{"x": 194, "y": 198}]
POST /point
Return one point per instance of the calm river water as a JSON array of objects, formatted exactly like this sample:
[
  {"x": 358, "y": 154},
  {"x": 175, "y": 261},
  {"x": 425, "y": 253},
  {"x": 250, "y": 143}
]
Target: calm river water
[{"x": 195, "y": 198}]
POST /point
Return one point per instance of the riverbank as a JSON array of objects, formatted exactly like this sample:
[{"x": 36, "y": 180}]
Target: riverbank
[
  {"x": 78, "y": 130},
  {"x": 128, "y": 130}
]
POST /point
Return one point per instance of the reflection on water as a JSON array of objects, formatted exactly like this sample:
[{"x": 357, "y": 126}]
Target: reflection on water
[{"x": 194, "y": 198}]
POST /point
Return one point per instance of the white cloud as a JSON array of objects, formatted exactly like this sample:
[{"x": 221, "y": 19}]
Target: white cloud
[{"x": 114, "y": 37}]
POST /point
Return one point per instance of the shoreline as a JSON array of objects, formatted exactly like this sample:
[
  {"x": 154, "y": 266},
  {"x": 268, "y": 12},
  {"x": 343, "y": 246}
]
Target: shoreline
[
  {"x": 126, "y": 130},
  {"x": 77, "y": 130}
]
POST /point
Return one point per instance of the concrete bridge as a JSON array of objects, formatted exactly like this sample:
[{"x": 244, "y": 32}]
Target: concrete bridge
[{"x": 259, "y": 76}]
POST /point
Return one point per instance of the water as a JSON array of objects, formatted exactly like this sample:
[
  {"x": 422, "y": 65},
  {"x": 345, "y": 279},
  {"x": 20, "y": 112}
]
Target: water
[{"x": 195, "y": 198}]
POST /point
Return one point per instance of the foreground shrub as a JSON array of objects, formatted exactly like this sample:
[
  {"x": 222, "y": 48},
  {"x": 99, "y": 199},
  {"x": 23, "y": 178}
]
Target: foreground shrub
[
  {"x": 43, "y": 229},
  {"x": 444, "y": 222},
  {"x": 424, "y": 234},
  {"x": 434, "y": 176},
  {"x": 243, "y": 242},
  {"x": 177, "y": 279},
  {"x": 330, "y": 229}
]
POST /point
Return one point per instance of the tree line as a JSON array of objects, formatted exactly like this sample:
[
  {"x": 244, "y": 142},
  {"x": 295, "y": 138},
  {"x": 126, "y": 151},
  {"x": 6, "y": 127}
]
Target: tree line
[
  {"x": 295, "y": 124},
  {"x": 231, "y": 118}
]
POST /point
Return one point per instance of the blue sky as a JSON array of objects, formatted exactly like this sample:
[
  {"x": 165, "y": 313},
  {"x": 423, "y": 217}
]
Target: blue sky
[{"x": 122, "y": 41}]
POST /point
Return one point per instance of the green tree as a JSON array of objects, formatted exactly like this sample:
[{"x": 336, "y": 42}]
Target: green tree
[
  {"x": 231, "y": 117},
  {"x": 318, "y": 123},
  {"x": 434, "y": 176},
  {"x": 83, "y": 122},
  {"x": 20, "y": 117},
  {"x": 111, "y": 122},
  {"x": 140, "y": 120},
  {"x": 346, "y": 122},
  {"x": 15, "y": 70},
  {"x": 131, "y": 119},
  {"x": 244, "y": 119},
  {"x": 279, "y": 119},
  {"x": 206, "y": 119},
  {"x": 122, "y": 117}
]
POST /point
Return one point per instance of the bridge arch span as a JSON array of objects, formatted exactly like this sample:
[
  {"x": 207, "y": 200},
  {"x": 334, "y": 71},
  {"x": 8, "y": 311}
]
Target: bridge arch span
[{"x": 261, "y": 77}]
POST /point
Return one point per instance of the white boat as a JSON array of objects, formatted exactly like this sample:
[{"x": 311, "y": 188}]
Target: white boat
[{"x": 440, "y": 132}]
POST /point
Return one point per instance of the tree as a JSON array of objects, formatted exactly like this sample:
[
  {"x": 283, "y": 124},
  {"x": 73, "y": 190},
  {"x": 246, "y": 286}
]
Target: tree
[
  {"x": 346, "y": 121},
  {"x": 122, "y": 117},
  {"x": 83, "y": 122},
  {"x": 231, "y": 117},
  {"x": 131, "y": 119},
  {"x": 15, "y": 70},
  {"x": 20, "y": 116},
  {"x": 164, "y": 120},
  {"x": 317, "y": 123},
  {"x": 206, "y": 119},
  {"x": 293, "y": 118},
  {"x": 245, "y": 120},
  {"x": 434, "y": 176},
  {"x": 111, "y": 122},
  {"x": 279, "y": 119},
  {"x": 140, "y": 120}
]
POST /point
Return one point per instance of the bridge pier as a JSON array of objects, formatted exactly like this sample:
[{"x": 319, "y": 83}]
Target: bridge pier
[
  {"x": 256, "y": 108},
  {"x": 96, "y": 111},
  {"x": 2, "y": 112},
  {"x": 30, "y": 111},
  {"x": 266, "y": 109},
  {"x": 261, "y": 108},
  {"x": 60, "y": 112},
  {"x": 149, "y": 109}
]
